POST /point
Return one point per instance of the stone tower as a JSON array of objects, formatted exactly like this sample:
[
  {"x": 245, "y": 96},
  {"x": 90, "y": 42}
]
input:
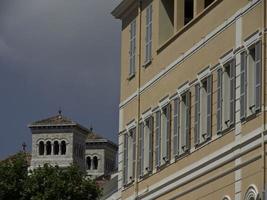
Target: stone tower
[
  {"x": 100, "y": 156},
  {"x": 58, "y": 141}
]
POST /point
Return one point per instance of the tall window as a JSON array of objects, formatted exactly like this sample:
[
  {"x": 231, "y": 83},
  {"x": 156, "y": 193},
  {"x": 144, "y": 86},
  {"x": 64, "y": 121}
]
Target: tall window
[
  {"x": 56, "y": 148},
  {"x": 63, "y": 147},
  {"x": 41, "y": 148},
  {"x": 226, "y": 96},
  {"x": 48, "y": 148},
  {"x": 148, "y": 36},
  {"x": 89, "y": 162},
  {"x": 181, "y": 124},
  {"x": 203, "y": 94},
  {"x": 146, "y": 146},
  {"x": 132, "y": 51},
  {"x": 162, "y": 136},
  {"x": 95, "y": 162},
  {"x": 129, "y": 156},
  {"x": 250, "y": 99}
]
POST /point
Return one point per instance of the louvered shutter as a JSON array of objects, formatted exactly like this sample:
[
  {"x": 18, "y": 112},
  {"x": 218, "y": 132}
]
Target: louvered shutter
[
  {"x": 158, "y": 139},
  {"x": 197, "y": 114},
  {"x": 243, "y": 86},
  {"x": 141, "y": 150},
  {"x": 219, "y": 100},
  {"x": 176, "y": 127},
  {"x": 168, "y": 115},
  {"x": 209, "y": 98},
  {"x": 150, "y": 144},
  {"x": 232, "y": 92},
  {"x": 187, "y": 125},
  {"x": 134, "y": 152},
  {"x": 125, "y": 162},
  {"x": 148, "y": 37},
  {"x": 258, "y": 77}
]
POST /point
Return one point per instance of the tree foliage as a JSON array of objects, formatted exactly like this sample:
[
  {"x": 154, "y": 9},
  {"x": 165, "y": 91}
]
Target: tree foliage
[{"x": 44, "y": 183}]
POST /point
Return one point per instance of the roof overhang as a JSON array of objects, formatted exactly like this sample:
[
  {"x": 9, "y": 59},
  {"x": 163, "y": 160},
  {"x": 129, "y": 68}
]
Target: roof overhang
[{"x": 121, "y": 8}]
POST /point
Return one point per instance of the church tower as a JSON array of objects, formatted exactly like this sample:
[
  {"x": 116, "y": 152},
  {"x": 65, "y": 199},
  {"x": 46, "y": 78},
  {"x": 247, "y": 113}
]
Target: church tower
[
  {"x": 100, "y": 156},
  {"x": 58, "y": 141}
]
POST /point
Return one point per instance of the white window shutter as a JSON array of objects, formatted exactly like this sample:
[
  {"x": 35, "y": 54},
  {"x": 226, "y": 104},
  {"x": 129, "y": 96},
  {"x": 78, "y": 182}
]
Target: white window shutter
[
  {"x": 176, "y": 127},
  {"x": 125, "y": 162},
  {"x": 134, "y": 152},
  {"x": 232, "y": 92},
  {"x": 132, "y": 47},
  {"x": 158, "y": 139},
  {"x": 258, "y": 76},
  {"x": 209, "y": 98},
  {"x": 197, "y": 114},
  {"x": 243, "y": 86},
  {"x": 219, "y": 100},
  {"x": 148, "y": 36},
  {"x": 141, "y": 150},
  {"x": 187, "y": 127},
  {"x": 168, "y": 115},
  {"x": 150, "y": 143}
]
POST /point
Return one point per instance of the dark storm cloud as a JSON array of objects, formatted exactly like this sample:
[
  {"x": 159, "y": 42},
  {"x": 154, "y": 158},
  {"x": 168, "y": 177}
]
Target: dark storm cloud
[{"x": 57, "y": 53}]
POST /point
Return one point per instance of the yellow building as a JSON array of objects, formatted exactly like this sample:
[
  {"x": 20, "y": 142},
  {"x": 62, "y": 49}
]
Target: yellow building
[{"x": 193, "y": 99}]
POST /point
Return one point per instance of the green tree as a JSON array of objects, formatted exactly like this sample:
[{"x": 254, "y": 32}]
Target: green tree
[
  {"x": 56, "y": 183},
  {"x": 13, "y": 175},
  {"x": 44, "y": 183}
]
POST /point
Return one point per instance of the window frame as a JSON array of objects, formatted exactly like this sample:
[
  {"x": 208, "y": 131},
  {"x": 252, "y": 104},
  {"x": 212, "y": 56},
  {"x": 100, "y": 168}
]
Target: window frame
[
  {"x": 148, "y": 34},
  {"x": 202, "y": 137},
  {"x": 254, "y": 90},
  {"x": 132, "y": 49}
]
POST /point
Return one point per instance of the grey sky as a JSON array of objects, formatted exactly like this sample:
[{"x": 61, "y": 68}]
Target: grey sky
[{"x": 57, "y": 53}]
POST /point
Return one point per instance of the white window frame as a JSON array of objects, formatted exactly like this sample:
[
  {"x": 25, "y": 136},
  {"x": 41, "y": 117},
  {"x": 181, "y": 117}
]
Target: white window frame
[
  {"x": 226, "y": 96},
  {"x": 132, "y": 50},
  {"x": 250, "y": 102},
  {"x": 148, "y": 35},
  {"x": 181, "y": 122},
  {"x": 146, "y": 147},
  {"x": 165, "y": 133},
  {"x": 203, "y": 109},
  {"x": 129, "y": 155}
]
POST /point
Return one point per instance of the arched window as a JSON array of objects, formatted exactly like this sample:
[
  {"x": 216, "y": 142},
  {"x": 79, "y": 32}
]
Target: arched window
[
  {"x": 88, "y": 162},
  {"x": 63, "y": 148},
  {"x": 95, "y": 160},
  {"x": 41, "y": 148},
  {"x": 226, "y": 198},
  {"x": 56, "y": 148},
  {"x": 251, "y": 193},
  {"x": 48, "y": 148}
]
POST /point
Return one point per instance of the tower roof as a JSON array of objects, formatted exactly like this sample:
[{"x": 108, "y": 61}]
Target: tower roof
[{"x": 57, "y": 121}]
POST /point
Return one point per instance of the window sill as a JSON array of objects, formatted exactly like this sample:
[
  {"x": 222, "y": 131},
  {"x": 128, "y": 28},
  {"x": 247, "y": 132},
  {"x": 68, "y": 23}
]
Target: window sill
[
  {"x": 250, "y": 117},
  {"x": 128, "y": 185},
  {"x": 147, "y": 63},
  {"x": 131, "y": 76},
  {"x": 187, "y": 26},
  {"x": 226, "y": 130}
]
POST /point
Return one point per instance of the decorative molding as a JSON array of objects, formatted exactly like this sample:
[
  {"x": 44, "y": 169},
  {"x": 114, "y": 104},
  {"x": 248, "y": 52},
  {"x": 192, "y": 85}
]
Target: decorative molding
[
  {"x": 183, "y": 88},
  {"x": 204, "y": 73},
  {"x": 131, "y": 125},
  {"x": 147, "y": 114},
  {"x": 227, "y": 57},
  {"x": 252, "y": 39}
]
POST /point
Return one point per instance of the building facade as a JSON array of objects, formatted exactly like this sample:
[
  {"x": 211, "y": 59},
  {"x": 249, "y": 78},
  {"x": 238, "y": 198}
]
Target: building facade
[
  {"x": 60, "y": 141},
  {"x": 193, "y": 99},
  {"x": 100, "y": 156}
]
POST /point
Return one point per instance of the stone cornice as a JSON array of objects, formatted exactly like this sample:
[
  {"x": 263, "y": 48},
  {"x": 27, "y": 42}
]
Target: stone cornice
[{"x": 121, "y": 8}]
